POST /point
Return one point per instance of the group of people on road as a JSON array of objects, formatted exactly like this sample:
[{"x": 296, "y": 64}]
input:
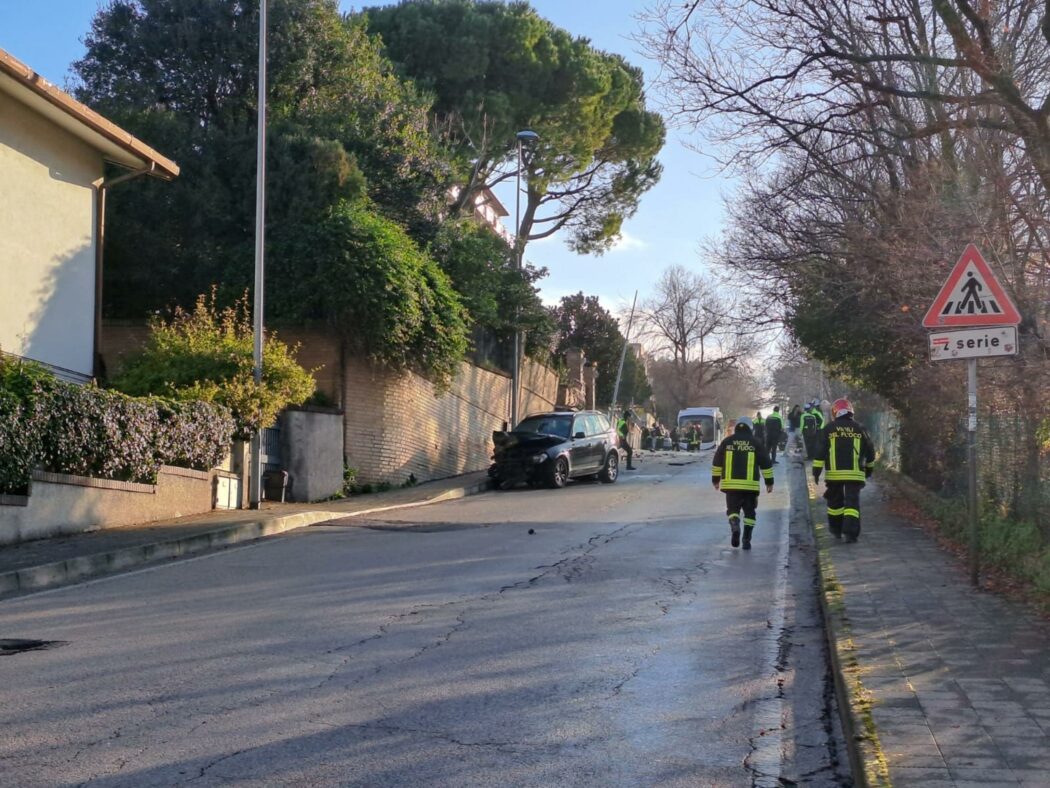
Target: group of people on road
[
  {"x": 657, "y": 436},
  {"x": 841, "y": 451}
]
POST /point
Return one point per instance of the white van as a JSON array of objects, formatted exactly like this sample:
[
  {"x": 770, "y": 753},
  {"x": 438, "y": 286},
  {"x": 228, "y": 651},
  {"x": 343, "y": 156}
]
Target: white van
[{"x": 711, "y": 425}]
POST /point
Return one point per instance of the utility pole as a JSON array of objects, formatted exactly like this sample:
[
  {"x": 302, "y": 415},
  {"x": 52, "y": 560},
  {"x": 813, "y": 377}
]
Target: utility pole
[
  {"x": 623, "y": 354},
  {"x": 255, "y": 478},
  {"x": 524, "y": 138}
]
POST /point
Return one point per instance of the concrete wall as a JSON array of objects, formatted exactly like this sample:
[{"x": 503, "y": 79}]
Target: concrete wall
[
  {"x": 312, "y": 453},
  {"x": 397, "y": 425},
  {"x": 60, "y": 504},
  {"x": 47, "y": 245}
]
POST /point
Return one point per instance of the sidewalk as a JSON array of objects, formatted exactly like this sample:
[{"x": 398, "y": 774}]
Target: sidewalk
[
  {"x": 947, "y": 686},
  {"x": 46, "y": 563}
]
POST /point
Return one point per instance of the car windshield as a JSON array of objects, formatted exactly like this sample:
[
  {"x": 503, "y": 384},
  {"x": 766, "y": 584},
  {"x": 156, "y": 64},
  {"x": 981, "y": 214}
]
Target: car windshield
[{"x": 547, "y": 425}]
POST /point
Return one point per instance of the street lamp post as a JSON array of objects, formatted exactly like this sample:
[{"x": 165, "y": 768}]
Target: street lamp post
[
  {"x": 525, "y": 138},
  {"x": 255, "y": 477}
]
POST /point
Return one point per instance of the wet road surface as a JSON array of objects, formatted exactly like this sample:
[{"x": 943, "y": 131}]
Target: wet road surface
[{"x": 621, "y": 643}]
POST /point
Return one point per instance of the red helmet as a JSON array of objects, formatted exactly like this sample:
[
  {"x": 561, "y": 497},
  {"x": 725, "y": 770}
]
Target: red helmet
[{"x": 840, "y": 406}]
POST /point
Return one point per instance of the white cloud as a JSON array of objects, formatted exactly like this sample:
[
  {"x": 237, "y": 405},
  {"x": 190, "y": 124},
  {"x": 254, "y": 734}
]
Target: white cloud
[{"x": 628, "y": 243}]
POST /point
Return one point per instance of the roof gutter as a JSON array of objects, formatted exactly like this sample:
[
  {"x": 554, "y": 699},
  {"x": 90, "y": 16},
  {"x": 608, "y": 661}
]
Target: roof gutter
[
  {"x": 36, "y": 85},
  {"x": 99, "y": 367}
]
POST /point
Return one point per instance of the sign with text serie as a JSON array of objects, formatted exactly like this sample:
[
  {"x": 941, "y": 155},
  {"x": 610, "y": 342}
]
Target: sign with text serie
[{"x": 973, "y": 343}]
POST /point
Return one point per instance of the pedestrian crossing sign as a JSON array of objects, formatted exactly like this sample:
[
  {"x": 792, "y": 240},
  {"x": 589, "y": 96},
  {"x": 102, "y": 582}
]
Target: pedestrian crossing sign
[{"x": 972, "y": 296}]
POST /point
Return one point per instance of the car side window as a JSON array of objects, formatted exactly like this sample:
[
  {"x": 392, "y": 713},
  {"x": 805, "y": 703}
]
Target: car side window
[
  {"x": 601, "y": 423},
  {"x": 579, "y": 424},
  {"x": 590, "y": 425}
]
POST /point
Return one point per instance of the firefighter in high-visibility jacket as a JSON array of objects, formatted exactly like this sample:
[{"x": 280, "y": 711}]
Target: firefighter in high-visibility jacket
[
  {"x": 845, "y": 454},
  {"x": 739, "y": 463},
  {"x": 819, "y": 413}
]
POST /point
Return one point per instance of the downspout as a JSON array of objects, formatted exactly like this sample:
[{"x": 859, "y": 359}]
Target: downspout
[{"x": 100, "y": 237}]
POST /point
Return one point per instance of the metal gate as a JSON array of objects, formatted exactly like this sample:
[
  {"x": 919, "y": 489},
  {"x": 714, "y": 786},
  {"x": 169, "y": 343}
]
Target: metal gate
[{"x": 270, "y": 451}]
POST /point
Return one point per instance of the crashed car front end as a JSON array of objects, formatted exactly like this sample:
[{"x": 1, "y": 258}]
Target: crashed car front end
[{"x": 519, "y": 458}]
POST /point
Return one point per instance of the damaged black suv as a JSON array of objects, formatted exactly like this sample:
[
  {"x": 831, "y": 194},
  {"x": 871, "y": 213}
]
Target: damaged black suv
[{"x": 551, "y": 448}]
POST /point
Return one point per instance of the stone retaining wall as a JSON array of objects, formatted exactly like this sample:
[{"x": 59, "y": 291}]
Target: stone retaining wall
[{"x": 62, "y": 504}]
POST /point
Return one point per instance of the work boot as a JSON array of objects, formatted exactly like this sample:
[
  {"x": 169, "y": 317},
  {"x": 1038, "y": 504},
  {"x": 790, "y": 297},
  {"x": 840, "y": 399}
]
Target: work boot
[
  {"x": 836, "y": 530},
  {"x": 735, "y": 538},
  {"x": 747, "y": 536}
]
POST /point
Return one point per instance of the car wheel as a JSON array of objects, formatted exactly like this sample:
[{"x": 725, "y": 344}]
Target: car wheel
[
  {"x": 558, "y": 474},
  {"x": 611, "y": 471}
]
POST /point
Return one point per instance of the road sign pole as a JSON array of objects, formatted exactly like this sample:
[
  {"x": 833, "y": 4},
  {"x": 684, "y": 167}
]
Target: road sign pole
[
  {"x": 971, "y": 460},
  {"x": 972, "y": 316}
]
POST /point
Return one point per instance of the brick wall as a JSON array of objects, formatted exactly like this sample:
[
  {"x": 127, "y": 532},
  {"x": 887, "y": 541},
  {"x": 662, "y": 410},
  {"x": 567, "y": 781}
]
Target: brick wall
[
  {"x": 397, "y": 426},
  {"x": 539, "y": 388},
  {"x": 320, "y": 353}
]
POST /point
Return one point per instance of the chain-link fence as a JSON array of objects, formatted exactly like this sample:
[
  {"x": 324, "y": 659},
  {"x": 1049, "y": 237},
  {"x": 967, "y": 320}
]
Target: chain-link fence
[
  {"x": 884, "y": 428},
  {"x": 1013, "y": 473}
]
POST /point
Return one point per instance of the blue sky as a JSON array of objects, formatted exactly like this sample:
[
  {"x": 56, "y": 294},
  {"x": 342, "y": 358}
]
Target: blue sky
[{"x": 674, "y": 216}]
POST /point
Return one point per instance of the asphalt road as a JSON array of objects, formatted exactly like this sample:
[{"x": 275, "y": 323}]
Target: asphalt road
[{"x": 623, "y": 643}]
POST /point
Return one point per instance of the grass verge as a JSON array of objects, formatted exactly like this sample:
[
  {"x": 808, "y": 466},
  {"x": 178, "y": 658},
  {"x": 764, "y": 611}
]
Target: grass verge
[
  {"x": 869, "y": 761},
  {"x": 1015, "y": 560}
]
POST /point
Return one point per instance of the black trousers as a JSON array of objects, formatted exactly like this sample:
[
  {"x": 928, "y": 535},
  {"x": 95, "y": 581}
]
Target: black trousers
[
  {"x": 809, "y": 437},
  {"x": 737, "y": 500},
  {"x": 772, "y": 445},
  {"x": 844, "y": 508},
  {"x": 627, "y": 450}
]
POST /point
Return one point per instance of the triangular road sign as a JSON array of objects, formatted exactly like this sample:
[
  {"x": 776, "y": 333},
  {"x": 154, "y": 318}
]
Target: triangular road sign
[{"x": 972, "y": 296}]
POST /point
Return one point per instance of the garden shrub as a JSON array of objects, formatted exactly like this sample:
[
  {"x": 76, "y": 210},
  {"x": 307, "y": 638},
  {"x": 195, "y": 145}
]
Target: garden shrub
[
  {"x": 19, "y": 445},
  {"x": 206, "y": 354},
  {"x": 193, "y": 434},
  {"x": 88, "y": 431},
  {"x": 25, "y": 387},
  {"x": 365, "y": 276}
]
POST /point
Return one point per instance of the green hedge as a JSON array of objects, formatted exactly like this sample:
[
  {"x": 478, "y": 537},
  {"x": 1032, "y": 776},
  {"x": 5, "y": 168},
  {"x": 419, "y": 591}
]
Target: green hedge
[{"x": 88, "y": 431}]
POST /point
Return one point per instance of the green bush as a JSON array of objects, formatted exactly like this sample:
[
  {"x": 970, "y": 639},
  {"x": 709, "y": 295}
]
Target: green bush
[
  {"x": 364, "y": 275},
  {"x": 193, "y": 434},
  {"x": 92, "y": 432},
  {"x": 206, "y": 355},
  {"x": 18, "y": 445},
  {"x": 88, "y": 431},
  {"x": 24, "y": 387}
]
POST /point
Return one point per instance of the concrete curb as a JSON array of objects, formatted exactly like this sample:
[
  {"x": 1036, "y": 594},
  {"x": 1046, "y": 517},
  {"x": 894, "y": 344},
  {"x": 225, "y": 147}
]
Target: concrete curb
[
  {"x": 60, "y": 573},
  {"x": 866, "y": 758}
]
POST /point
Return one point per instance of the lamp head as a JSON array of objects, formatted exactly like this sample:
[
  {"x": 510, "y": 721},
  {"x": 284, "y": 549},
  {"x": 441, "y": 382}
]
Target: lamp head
[{"x": 527, "y": 137}]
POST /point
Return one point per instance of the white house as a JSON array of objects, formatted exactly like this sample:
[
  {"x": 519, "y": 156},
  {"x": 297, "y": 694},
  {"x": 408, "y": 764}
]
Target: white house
[{"x": 54, "y": 153}]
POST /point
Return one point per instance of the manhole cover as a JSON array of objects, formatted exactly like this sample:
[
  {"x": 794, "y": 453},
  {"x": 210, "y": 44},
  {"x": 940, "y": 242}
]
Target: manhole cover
[{"x": 9, "y": 647}]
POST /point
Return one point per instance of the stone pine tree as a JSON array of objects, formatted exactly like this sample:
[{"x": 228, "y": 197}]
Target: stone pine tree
[{"x": 497, "y": 68}]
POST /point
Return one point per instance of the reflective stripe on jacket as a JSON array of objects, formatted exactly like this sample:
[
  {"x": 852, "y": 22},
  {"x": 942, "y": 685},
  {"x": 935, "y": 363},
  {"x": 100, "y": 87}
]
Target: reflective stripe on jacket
[
  {"x": 739, "y": 463},
  {"x": 844, "y": 450}
]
